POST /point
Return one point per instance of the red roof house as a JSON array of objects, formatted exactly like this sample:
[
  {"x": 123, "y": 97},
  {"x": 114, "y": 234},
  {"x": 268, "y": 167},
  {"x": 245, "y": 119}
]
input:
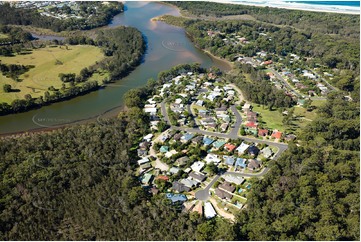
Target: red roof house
[
  {"x": 251, "y": 125},
  {"x": 262, "y": 132},
  {"x": 161, "y": 177},
  {"x": 276, "y": 134},
  {"x": 230, "y": 147}
]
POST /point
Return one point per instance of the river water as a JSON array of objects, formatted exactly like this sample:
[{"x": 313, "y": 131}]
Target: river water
[{"x": 167, "y": 46}]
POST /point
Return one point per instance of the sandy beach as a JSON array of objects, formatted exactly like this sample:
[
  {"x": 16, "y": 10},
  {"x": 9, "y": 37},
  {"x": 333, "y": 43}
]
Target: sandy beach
[{"x": 297, "y": 6}]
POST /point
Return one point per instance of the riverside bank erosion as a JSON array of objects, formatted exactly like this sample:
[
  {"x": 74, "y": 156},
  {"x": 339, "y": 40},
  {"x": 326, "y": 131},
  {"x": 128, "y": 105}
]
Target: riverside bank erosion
[{"x": 109, "y": 101}]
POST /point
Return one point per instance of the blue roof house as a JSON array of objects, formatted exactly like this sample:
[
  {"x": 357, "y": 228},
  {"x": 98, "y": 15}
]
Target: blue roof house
[
  {"x": 218, "y": 144},
  {"x": 164, "y": 149},
  {"x": 187, "y": 137},
  {"x": 176, "y": 197},
  {"x": 241, "y": 162},
  {"x": 207, "y": 141},
  {"x": 229, "y": 160}
]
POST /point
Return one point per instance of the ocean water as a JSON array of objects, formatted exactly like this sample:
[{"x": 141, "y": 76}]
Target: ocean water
[
  {"x": 330, "y": 3},
  {"x": 352, "y": 7}
]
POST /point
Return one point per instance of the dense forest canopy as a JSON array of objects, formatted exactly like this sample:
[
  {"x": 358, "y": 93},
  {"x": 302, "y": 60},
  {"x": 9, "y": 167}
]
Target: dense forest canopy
[
  {"x": 313, "y": 191},
  {"x": 21, "y": 16}
]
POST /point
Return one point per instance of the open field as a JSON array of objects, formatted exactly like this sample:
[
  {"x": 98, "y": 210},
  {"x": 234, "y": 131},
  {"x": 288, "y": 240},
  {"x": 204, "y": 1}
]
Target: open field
[
  {"x": 305, "y": 116},
  {"x": 45, "y": 74},
  {"x": 273, "y": 119}
]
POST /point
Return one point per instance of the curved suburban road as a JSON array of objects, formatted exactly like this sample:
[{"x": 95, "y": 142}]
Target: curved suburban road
[{"x": 203, "y": 194}]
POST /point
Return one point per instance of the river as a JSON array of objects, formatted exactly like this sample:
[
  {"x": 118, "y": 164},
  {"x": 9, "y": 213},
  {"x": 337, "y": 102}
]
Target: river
[{"x": 167, "y": 46}]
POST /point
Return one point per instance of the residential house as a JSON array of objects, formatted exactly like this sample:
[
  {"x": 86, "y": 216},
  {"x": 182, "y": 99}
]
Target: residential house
[
  {"x": 147, "y": 178},
  {"x": 182, "y": 161},
  {"x": 262, "y": 132},
  {"x": 176, "y": 197},
  {"x": 196, "y": 140},
  {"x": 162, "y": 177},
  {"x": 143, "y": 161},
  {"x": 203, "y": 113},
  {"x": 223, "y": 195},
  {"x": 276, "y": 134},
  {"x": 164, "y": 149},
  {"x": 208, "y": 121},
  {"x": 267, "y": 152},
  {"x": 154, "y": 190},
  {"x": 151, "y": 111},
  {"x": 174, "y": 170},
  {"x": 229, "y": 160},
  {"x": 246, "y": 107},
  {"x": 197, "y": 176},
  {"x": 179, "y": 187},
  {"x": 209, "y": 211},
  {"x": 230, "y": 147},
  {"x": 238, "y": 180},
  {"x": 253, "y": 164},
  {"x": 207, "y": 140},
  {"x": 252, "y": 125},
  {"x": 169, "y": 154},
  {"x": 189, "y": 182},
  {"x": 187, "y": 170},
  {"x": 242, "y": 148},
  {"x": 218, "y": 144},
  {"x": 199, "y": 103},
  {"x": 253, "y": 150},
  {"x": 144, "y": 145},
  {"x": 197, "y": 166},
  {"x": 142, "y": 153},
  {"x": 251, "y": 116},
  {"x": 212, "y": 158},
  {"x": 221, "y": 110},
  {"x": 224, "y": 127},
  {"x": 148, "y": 137},
  {"x": 240, "y": 162},
  {"x": 227, "y": 186},
  {"x": 186, "y": 137},
  {"x": 177, "y": 137},
  {"x": 145, "y": 166}
]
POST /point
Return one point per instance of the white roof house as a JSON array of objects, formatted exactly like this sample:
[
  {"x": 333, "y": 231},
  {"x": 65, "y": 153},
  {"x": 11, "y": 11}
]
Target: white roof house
[
  {"x": 209, "y": 211},
  {"x": 143, "y": 161},
  {"x": 152, "y": 111},
  {"x": 150, "y": 106},
  {"x": 233, "y": 179},
  {"x": 242, "y": 148},
  {"x": 148, "y": 137},
  {"x": 170, "y": 153},
  {"x": 212, "y": 158},
  {"x": 197, "y": 166}
]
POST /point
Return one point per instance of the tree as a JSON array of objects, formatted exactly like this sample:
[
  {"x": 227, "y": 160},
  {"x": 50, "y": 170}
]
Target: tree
[
  {"x": 211, "y": 169},
  {"x": 7, "y": 88}
]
